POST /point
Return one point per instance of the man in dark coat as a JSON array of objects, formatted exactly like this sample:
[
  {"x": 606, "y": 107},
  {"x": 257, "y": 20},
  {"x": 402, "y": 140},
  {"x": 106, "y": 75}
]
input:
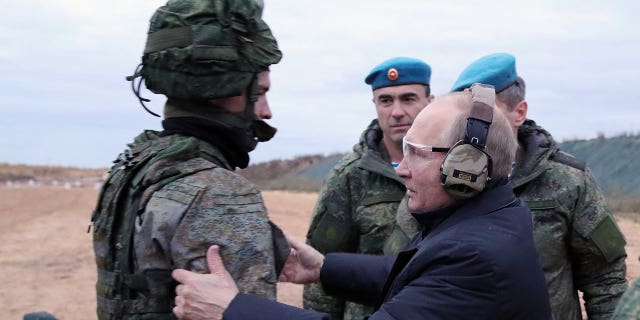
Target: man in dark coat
[{"x": 473, "y": 259}]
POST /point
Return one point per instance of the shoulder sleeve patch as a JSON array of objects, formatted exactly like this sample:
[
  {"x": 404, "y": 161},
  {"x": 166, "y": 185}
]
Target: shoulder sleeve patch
[
  {"x": 569, "y": 160},
  {"x": 383, "y": 197},
  {"x": 178, "y": 192},
  {"x": 609, "y": 239}
]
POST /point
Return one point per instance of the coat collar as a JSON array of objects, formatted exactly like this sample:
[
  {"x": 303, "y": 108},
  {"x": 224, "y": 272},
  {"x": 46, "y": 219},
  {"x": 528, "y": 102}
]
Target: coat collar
[{"x": 535, "y": 147}]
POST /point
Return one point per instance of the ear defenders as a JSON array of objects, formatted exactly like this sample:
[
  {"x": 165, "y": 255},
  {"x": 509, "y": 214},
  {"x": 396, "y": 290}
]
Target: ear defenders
[{"x": 466, "y": 168}]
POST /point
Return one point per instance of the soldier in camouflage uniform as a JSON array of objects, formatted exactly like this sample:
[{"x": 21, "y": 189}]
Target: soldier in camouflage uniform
[
  {"x": 629, "y": 305},
  {"x": 358, "y": 201},
  {"x": 579, "y": 243},
  {"x": 174, "y": 193}
]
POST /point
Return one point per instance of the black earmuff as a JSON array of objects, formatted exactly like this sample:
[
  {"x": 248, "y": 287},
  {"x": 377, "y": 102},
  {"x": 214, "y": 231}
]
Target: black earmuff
[{"x": 466, "y": 168}]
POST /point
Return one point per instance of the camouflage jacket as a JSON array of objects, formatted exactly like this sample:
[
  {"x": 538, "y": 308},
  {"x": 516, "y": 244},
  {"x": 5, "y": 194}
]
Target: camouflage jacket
[
  {"x": 629, "y": 305},
  {"x": 354, "y": 213},
  {"x": 204, "y": 203},
  {"x": 579, "y": 242}
]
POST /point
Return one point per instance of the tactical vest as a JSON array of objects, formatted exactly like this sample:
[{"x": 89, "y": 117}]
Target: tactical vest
[{"x": 149, "y": 164}]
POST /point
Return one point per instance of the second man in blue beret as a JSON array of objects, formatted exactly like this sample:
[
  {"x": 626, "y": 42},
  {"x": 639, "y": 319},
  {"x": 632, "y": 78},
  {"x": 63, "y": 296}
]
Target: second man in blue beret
[{"x": 357, "y": 205}]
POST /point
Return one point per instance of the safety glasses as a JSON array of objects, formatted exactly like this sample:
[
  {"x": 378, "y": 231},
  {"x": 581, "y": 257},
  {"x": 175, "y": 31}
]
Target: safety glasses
[{"x": 413, "y": 151}]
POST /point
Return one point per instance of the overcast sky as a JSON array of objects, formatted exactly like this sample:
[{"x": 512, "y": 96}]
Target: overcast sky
[{"x": 64, "y": 99}]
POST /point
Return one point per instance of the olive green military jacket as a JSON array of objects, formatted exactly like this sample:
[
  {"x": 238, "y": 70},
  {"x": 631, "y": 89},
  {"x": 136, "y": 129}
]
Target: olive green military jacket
[
  {"x": 579, "y": 242},
  {"x": 354, "y": 213},
  {"x": 181, "y": 219}
]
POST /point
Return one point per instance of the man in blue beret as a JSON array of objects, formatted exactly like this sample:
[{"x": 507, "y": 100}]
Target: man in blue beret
[
  {"x": 358, "y": 202},
  {"x": 580, "y": 245},
  {"x": 498, "y": 70}
]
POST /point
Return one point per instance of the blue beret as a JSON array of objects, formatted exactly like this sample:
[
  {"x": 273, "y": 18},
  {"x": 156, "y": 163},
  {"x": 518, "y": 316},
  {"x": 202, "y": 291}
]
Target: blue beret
[
  {"x": 498, "y": 70},
  {"x": 399, "y": 71}
]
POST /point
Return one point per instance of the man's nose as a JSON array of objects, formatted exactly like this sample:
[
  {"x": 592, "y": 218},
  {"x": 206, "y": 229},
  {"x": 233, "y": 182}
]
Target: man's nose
[
  {"x": 403, "y": 170},
  {"x": 396, "y": 109},
  {"x": 263, "y": 111}
]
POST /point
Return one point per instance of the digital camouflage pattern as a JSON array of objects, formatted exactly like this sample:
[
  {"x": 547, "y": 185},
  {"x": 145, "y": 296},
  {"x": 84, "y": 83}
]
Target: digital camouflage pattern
[
  {"x": 579, "y": 242},
  {"x": 354, "y": 213},
  {"x": 404, "y": 228},
  {"x": 184, "y": 198},
  {"x": 629, "y": 306},
  {"x": 207, "y": 49}
]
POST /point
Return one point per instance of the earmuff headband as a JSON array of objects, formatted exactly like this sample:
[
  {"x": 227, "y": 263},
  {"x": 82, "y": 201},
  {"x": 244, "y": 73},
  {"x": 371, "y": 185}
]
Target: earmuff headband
[{"x": 481, "y": 116}]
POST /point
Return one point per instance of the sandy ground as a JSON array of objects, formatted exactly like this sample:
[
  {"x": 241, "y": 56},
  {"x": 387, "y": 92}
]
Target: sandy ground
[{"x": 46, "y": 259}]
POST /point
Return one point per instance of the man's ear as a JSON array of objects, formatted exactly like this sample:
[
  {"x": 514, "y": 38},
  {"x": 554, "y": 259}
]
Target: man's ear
[
  {"x": 430, "y": 99},
  {"x": 521, "y": 112}
]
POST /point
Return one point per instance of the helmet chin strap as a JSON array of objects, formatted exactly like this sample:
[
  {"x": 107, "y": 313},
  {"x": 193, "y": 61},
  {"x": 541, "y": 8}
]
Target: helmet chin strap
[
  {"x": 136, "y": 88},
  {"x": 252, "y": 97}
]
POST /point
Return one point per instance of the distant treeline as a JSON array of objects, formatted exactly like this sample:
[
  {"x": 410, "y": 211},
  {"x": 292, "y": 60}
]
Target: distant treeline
[
  {"x": 613, "y": 161},
  {"x": 303, "y": 173}
]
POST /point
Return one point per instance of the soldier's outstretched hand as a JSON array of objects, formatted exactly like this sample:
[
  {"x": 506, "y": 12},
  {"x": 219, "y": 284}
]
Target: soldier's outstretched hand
[
  {"x": 303, "y": 265},
  {"x": 204, "y": 296}
]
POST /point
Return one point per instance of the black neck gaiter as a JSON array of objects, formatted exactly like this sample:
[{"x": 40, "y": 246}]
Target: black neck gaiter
[{"x": 231, "y": 141}]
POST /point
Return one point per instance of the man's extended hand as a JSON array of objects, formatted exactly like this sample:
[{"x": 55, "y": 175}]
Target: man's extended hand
[
  {"x": 204, "y": 296},
  {"x": 207, "y": 296},
  {"x": 303, "y": 265}
]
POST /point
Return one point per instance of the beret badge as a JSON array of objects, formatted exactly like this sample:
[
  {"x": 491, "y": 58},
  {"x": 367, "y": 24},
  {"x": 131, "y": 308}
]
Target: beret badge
[{"x": 392, "y": 74}]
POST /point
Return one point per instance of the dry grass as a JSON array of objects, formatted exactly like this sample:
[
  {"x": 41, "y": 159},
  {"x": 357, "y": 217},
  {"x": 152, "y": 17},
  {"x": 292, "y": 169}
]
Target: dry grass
[
  {"x": 23, "y": 175},
  {"x": 629, "y": 204},
  {"x": 46, "y": 256}
]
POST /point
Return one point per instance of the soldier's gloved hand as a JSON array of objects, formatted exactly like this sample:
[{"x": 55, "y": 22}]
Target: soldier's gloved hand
[
  {"x": 303, "y": 265},
  {"x": 204, "y": 296}
]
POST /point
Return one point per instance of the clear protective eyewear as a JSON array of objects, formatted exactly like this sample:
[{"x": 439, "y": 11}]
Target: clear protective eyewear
[{"x": 412, "y": 149}]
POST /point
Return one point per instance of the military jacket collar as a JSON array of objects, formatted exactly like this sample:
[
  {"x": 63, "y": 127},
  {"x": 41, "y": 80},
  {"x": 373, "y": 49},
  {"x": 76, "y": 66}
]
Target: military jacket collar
[
  {"x": 536, "y": 147},
  {"x": 177, "y": 146},
  {"x": 375, "y": 157}
]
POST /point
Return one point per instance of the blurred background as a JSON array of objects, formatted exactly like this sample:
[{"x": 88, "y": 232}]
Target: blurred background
[{"x": 64, "y": 99}]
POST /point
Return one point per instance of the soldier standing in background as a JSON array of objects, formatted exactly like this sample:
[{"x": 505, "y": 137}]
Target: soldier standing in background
[
  {"x": 579, "y": 243},
  {"x": 358, "y": 201},
  {"x": 174, "y": 193},
  {"x": 629, "y": 305}
]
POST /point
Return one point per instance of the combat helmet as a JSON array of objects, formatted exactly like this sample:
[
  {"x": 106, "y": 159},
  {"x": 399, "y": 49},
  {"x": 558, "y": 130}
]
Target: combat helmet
[{"x": 202, "y": 50}]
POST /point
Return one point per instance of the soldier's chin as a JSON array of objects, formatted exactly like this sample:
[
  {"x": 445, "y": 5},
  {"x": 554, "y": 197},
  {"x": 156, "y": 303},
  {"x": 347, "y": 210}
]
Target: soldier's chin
[{"x": 397, "y": 135}]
